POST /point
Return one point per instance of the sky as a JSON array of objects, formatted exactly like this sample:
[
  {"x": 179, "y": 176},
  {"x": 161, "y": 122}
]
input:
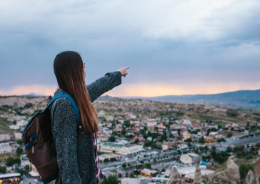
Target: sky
[{"x": 173, "y": 47}]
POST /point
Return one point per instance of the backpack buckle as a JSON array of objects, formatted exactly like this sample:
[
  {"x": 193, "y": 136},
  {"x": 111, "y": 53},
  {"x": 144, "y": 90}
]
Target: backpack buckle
[{"x": 81, "y": 130}]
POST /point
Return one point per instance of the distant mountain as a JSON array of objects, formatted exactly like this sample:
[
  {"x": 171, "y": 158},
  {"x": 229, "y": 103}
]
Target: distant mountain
[
  {"x": 243, "y": 98},
  {"x": 107, "y": 97},
  {"x": 32, "y": 95}
]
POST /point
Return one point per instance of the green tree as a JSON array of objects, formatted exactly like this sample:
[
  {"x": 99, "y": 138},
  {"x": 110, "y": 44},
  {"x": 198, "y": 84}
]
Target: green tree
[
  {"x": 19, "y": 151},
  {"x": 244, "y": 168},
  {"x": 112, "y": 139},
  {"x": 2, "y": 169},
  {"x": 27, "y": 167},
  {"x": 111, "y": 179},
  {"x": 229, "y": 135},
  {"x": 11, "y": 161},
  {"x": 20, "y": 142}
]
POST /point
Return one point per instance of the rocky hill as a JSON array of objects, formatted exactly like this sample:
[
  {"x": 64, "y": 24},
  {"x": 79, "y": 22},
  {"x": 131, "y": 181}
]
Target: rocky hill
[{"x": 244, "y": 99}]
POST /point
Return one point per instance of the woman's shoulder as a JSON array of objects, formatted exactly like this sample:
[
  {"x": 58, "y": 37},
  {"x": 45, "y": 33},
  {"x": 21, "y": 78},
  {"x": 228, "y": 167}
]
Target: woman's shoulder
[
  {"x": 62, "y": 103},
  {"x": 62, "y": 107}
]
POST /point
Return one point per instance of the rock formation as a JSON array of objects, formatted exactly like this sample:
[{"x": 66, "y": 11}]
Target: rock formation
[
  {"x": 175, "y": 177},
  {"x": 229, "y": 174},
  {"x": 197, "y": 177}
]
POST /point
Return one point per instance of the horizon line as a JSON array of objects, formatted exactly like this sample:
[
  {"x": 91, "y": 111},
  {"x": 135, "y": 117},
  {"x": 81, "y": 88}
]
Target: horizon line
[{"x": 40, "y": 95}]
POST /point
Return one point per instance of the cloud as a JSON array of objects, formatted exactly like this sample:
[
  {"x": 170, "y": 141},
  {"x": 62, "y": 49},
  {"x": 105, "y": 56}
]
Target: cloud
[{"x": 163, "y": 41}]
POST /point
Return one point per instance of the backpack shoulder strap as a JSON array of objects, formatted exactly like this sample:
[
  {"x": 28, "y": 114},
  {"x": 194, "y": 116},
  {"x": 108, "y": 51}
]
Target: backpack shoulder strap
[{"x": 62, "y": 94}]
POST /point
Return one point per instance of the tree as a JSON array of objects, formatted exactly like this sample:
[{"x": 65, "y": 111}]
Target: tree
[
  {"x": 27, "y": 167},
  {"x": 221, "y": 140},
  {"x": 136, "y": 141},
  {"x": 201, "y": 140},
  {"x": 229, "y": 135},
  {"x": 20, "y": 142},
  {"x": 19, "y": 151},
  {"x": 112, "y": 139},
  {"x": 244, "y": 168},
  {"x": 111, "y": 179},
  {"x": 11, "y": 161},
  {"x": 2, "y": 169}
]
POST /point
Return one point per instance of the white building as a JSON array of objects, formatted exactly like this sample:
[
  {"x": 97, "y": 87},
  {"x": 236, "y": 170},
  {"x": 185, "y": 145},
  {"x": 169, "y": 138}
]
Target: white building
[
  {"x": 101, "y": 113},
  {"x": 5, "y": 137},
  {"x": 151, "y": 123},
  {"x": 109, "y": 118},
  {"x": 21, "y": 123},
  {"x": 5, "y": 148},
  {"x": 190, "y": 158},
  {"x": 14, "y": 127},
  {"x": 17, "y": 135}
]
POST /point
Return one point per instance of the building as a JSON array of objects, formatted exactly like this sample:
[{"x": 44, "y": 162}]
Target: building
[
  {"x": 5, "y": 137},
  {"x": 151, "y": 123},
  {"x": 190, "y": 158},
  {"x": 121, "y": 148},
  {"x": 167, "y": 145},
  {"x": 148, "y": 172},
  {"x": 17, "y": 135},
  {"x": 5, "y": 148},
  {"x": 14, "y": 178},
  {"x": 186, "y": 135}
]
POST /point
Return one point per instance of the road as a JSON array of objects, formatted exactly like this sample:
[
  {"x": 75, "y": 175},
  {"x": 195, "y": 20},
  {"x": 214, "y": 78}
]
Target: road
[{"x": 240, "y": 142}]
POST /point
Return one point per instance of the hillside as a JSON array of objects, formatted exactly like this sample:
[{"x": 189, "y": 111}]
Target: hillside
[{"x": 17, "y": 110}]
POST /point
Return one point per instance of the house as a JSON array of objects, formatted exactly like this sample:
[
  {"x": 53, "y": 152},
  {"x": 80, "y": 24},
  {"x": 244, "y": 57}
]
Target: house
[
  {"x": 151, "y": 123},
  {"x": 17, "y": 135},
  {"x": 186, "y": 135},
  {"x": 101, "y": 135},
  {"x": 134, "y": 122},
  {"x": 109, "y": 118},
  {"x": 5, "y": 148},
  {"x": 167, "y": 145},
  {"x": 5, "y": 137}
]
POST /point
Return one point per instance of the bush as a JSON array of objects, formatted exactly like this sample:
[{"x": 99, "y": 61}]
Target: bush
[
  {"x": 244, "y": 168},
  {"x": 111, "y": 179}
]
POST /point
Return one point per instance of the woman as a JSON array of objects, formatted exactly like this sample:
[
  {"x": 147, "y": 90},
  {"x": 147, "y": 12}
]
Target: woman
[{"x": 76, "y": 152}]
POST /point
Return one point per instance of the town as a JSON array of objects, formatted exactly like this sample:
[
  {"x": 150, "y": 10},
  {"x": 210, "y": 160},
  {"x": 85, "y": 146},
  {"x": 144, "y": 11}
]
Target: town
[{"x": 146, "y": 142}]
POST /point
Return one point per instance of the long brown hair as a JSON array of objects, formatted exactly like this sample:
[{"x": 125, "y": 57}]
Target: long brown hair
[{"x": 69, "y": 69}]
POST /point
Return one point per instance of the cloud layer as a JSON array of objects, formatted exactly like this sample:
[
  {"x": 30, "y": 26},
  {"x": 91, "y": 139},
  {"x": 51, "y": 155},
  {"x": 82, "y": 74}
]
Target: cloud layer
[{"x": 180, "y": 44}]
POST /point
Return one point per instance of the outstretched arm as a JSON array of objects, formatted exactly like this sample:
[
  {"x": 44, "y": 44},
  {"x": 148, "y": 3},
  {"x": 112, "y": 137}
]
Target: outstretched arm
[{"x": 104, "y": 84}]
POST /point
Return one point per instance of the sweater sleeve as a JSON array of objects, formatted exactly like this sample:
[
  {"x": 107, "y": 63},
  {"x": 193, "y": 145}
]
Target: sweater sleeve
[
  {"x": 104, "y": 84},
  {"x": 65, "y": 133}
]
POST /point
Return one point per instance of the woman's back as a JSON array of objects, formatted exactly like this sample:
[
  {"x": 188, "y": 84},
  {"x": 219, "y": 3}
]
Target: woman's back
[{"x": 75, "y": 151}]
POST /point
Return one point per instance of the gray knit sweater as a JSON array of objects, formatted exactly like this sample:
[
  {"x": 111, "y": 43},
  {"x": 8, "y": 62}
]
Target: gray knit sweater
[{"x": 75, "y": 151}]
